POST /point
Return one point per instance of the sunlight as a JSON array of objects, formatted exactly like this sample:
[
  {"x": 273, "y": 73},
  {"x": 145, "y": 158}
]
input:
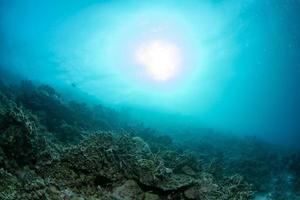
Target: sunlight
[{"x": 160, "y": 59}]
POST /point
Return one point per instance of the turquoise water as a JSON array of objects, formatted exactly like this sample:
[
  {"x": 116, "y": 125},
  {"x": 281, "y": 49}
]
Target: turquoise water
[
  {"x": 188, "y": 69},
  {"x": 240, "y": 59}
]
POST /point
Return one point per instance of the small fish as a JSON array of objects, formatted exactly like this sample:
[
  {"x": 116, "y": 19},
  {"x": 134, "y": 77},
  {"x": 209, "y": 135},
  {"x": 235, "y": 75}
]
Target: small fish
[{"x": 74, "y": 85}]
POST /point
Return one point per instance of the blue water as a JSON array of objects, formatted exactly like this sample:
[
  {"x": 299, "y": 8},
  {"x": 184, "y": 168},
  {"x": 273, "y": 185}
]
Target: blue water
[
  {"x": 210, "y": 67},
  {"x": 241, "y": 67}
]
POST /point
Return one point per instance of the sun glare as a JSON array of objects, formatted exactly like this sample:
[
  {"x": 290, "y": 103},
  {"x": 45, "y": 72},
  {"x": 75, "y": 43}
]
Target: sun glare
[{"x": 161, "y": 60}]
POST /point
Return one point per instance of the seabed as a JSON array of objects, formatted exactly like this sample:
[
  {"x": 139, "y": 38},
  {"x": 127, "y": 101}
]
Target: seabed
[{"x": 51, "y": 148}]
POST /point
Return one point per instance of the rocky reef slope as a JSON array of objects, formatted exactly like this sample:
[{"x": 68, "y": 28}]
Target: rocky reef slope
[{"x": 54, "y": 149}]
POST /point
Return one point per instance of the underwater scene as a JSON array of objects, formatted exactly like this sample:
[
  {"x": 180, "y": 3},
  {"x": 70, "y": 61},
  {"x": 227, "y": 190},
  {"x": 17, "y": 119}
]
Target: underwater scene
[{"x": 149, "y": 100}]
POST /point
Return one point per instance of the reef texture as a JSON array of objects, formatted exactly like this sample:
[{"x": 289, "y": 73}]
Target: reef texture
[{"x": 53, "y": 149}]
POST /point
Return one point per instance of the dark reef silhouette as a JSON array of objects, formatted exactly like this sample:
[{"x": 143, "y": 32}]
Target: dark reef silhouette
[{"x": 54, "y": 149}]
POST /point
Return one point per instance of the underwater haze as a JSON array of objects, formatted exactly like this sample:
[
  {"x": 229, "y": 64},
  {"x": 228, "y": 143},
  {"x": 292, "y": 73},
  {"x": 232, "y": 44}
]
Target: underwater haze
[
  {"x": 150, "y": 100},
  {"x": 238, "y": 62},
  {"x": 239, "y": 68}
]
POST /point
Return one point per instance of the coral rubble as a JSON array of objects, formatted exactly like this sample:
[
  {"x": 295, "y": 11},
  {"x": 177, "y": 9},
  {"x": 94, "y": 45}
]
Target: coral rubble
[{"x": 52, "y": 149}]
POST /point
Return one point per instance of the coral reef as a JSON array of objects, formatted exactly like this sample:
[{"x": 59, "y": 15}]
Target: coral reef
[{"x": 53, "y": 149}]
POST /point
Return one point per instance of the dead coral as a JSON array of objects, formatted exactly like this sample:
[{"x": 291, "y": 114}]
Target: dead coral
[
  {"x": 181, "y": 162},
  {"x": 9, "y": 185},
  {"x": 19, "y": 130},
  {"x": 128, "y": 191},
  {"x": 117, "y": 154},
  {"x": 60, "y": 158},
  {"x": 232, "y": 188},
  {"x": 236, "y": 188}
]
